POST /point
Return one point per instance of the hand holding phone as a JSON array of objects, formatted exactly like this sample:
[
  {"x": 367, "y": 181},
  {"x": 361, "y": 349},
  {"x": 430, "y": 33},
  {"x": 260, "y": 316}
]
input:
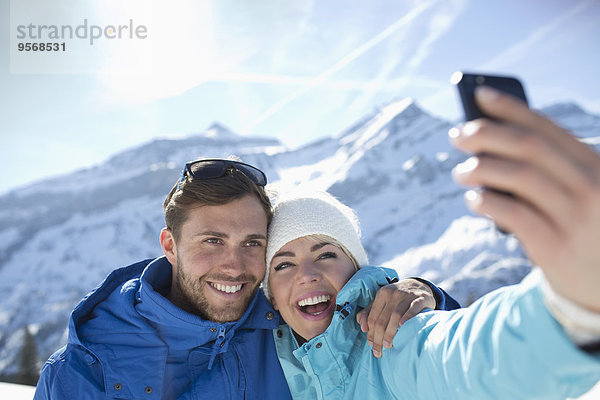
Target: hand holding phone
[
  {"x": 466, "y": 84},
  {"x": 555, "y": 212}
]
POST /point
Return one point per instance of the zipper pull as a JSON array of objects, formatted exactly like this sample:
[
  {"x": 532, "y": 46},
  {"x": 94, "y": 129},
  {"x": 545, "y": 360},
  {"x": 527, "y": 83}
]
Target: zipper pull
[
  {"x": 221, "y": 336},
  {"x": 219, "y": 343},
  {"x": 344, "y": 309}
]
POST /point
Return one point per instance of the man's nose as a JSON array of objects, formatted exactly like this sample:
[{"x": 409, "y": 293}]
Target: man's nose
[{"x": 233, "y": 262}]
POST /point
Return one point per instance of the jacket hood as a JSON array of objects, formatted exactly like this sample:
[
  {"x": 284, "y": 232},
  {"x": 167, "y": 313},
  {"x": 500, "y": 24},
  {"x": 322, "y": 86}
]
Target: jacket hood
[{"x": 123, "y": 278}]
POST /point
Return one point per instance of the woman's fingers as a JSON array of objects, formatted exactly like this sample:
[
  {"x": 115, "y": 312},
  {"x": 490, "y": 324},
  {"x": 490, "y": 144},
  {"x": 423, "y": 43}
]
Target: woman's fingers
[
  {"x": 569, "y": 170},
  {"x": 538, "y": 190},
  {"x": 518, "y": 217},
  {"x": 537, "y": 160},
  {"x": 555, "y": 179},
  {"x": 515, "y": 112}
]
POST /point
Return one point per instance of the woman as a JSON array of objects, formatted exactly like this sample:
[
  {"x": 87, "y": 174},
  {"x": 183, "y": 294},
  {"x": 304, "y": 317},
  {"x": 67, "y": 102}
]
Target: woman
[
  {"x": 539, "y": 339},
  {"x": 317, "y": 279}
]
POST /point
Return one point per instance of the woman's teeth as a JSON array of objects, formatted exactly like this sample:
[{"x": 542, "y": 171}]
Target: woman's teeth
[
  {"x": 314, "y": 300},
  {"x": 226, "y": 288}
]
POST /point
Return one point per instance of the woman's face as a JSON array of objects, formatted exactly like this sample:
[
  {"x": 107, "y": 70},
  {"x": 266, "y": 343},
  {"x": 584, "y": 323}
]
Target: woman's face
[{"x": 304, "y": 278}]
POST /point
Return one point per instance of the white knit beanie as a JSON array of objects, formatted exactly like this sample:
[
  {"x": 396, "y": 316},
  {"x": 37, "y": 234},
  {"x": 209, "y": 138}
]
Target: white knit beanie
[{"x": 301, "y": 214}]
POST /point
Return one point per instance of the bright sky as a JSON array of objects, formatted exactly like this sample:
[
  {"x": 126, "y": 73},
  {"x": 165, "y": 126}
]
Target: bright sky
[{"x": 297, "y": 71}]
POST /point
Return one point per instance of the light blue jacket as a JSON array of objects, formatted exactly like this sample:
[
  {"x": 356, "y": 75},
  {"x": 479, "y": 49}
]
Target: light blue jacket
[
  {"x": 127, "y": 341},
  {"x": 504, "y": 346}
]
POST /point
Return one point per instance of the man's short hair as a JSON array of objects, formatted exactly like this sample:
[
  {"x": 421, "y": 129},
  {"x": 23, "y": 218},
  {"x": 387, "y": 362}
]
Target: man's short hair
[{"x": 193, "y": 193}]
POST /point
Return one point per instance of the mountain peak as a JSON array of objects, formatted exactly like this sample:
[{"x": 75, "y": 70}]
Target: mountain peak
[
  {"x": 401, "y": 106},
  {"x": 406, "y": 107},
  {"x": 217, "y": 129},
  {"x": 392, "y": 119},
  {"x": 405, "y": 110}
]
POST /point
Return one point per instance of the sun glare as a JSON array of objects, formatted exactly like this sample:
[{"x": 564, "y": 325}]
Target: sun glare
[{"x": 170, "y": 61}]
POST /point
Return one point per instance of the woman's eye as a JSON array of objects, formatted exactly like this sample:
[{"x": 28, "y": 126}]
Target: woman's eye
[
  {"x": 282, "y": 265},
  {"x": 328, "y": 254}
]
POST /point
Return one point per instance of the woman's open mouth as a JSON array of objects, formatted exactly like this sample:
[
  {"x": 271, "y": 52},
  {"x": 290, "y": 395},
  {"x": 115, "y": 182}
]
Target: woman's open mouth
[{"x": 315, "y": 307}]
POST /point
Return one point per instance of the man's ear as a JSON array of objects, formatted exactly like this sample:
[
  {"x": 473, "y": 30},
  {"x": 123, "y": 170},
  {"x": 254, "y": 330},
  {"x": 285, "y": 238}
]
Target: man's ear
[
  {"x": 167, "y": 242},
  {"x": 274, "y": 304}
]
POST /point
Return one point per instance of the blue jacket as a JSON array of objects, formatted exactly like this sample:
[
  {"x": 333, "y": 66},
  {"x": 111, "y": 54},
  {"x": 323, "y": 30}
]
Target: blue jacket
[
  {"x": 505, "y": 346},
  {"x": 127, "y": 341}
]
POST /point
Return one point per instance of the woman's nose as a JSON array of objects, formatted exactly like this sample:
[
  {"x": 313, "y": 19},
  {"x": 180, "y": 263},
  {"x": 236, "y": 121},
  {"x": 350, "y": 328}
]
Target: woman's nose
[{"x": 308, "y": 272}]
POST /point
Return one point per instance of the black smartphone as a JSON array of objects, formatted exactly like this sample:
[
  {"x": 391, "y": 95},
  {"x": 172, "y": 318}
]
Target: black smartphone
[{"x": 467, "y": 82}]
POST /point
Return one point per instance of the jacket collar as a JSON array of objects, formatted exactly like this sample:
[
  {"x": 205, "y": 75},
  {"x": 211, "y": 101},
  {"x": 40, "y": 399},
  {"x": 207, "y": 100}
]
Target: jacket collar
[
  {"x": 185, "y": 331},
  {"x": 362, "y": 287}
]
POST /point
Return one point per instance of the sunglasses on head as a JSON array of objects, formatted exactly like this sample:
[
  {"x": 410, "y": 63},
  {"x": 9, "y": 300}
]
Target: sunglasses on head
[{"x": 216, "y": 168}]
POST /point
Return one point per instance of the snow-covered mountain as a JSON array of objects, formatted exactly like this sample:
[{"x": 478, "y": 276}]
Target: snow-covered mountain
[{"x": 62, "y": 236}]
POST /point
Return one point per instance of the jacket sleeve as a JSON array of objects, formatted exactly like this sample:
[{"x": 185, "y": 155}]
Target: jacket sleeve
[
  {"x": 443, "y": 301},
  {"x": 506, "y": 345}
]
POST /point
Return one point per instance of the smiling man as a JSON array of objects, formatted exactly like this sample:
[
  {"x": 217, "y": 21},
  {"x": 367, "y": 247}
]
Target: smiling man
[
  {"x": 218, "y": 258},
  {"x": 190, "y": 324}
]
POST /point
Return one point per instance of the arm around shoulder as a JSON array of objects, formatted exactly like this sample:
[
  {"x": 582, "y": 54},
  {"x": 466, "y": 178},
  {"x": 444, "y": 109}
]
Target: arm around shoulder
[{"x": 442, "y": 299}]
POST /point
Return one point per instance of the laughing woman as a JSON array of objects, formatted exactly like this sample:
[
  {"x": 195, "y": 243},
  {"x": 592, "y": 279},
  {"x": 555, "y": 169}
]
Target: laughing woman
[
  {"x": 504, "y": 346},
  {"x": 539, "y": 339}
]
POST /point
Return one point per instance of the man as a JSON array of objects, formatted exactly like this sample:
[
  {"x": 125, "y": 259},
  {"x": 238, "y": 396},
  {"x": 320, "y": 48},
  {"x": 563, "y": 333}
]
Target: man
[{"x": 192, "y": 324}]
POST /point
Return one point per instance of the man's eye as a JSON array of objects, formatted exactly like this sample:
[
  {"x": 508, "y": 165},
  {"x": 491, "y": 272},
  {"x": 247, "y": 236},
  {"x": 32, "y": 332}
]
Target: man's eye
[
  {"x": 283, "y": 265},
  {"x": 328, "y": 254},
  {"x": 253, "y": 243},
  {"x": 213, "y": 240}
]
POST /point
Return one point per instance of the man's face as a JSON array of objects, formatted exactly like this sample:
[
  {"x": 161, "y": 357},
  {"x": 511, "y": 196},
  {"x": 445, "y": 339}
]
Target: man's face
[{"x": 219, "y": 260}]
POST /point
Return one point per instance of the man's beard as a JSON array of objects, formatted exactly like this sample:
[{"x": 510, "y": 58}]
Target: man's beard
[{"x": 188, "y": 294}]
